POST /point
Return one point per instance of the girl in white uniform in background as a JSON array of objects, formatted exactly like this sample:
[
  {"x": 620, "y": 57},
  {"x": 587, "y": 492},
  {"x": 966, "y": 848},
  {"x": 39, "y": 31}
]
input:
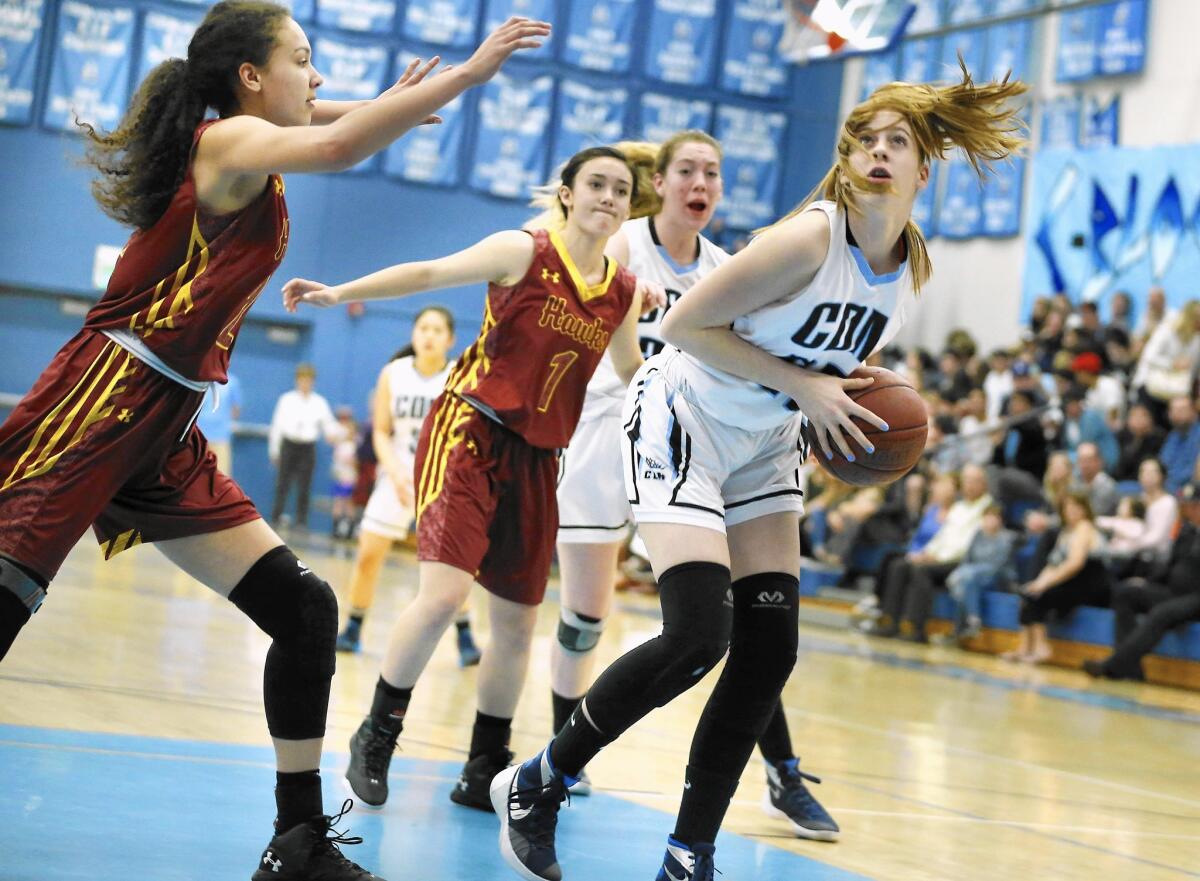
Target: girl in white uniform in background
[
  {"x": 594, "y": 515},
  {"x": 713, "y": 448},
  {"x": 407, "y": 386}
]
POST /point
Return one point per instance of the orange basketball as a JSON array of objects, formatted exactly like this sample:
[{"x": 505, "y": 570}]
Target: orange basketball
[{"x": 896, "y": 450}]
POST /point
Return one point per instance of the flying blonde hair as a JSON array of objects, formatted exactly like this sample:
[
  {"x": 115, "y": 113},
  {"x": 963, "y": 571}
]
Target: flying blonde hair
[{"x": 975, "y": 118}]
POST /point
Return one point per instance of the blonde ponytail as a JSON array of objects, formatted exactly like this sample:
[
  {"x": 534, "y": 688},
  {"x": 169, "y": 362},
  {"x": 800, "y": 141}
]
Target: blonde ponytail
[{"x": 977, "y": 119}]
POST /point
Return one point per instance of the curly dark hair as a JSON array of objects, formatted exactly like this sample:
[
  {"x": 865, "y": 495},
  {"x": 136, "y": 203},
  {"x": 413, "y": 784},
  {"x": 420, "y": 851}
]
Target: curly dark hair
[{"x": 143, "y": 161}]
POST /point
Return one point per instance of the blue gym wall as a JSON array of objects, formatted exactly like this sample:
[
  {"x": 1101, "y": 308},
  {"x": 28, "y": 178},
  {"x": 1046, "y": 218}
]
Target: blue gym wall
[{"x": 342, "y": 226}]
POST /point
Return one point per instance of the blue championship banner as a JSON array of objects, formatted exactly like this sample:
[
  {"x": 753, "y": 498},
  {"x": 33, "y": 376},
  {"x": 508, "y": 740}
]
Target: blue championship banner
[
  {"x": 510, "y": 142},
  {"x": 663, "y": 115},
  {"x": 444, "y": 22},
  {"x": 1101, "y": 123},
  {"x": 1008, "y": 7},
  {"x": 368, "y": 16},
  {"x": 1137, "y": 211},
  {"x": 966, "y": 11},
  {"x": 753, "y": 144},
  {"x": 600, "y": 34},
  {"x": 918, "y": 60},
  {"x": 751, "y": 65},
  {"x": 587, "y": 117},
  {"x": 681, "y": 41},
  {"x": 878, "y": 70},
  {"x": 429, "y": 154},
  {"x": 1076, "y": 56},
  {"x": 1121, "y": 37},
  {"x": 1060, "y": 123},
  {"x": 924, "y": 210},
  {"x": 20, "y": 41},
  {"x": 1008, "y": 50},
  {"x": 499, "y": 11},
  {"x": 962, "y": 200},
  {"x": 928, "y": 17},
  {"x": 971, "y": 45},
  {"x": 353, "y": 72},
  {"x": 164, "y": 36},
  {"x": 1001, "y": 216},
  {"x": 89, "y": 76}
]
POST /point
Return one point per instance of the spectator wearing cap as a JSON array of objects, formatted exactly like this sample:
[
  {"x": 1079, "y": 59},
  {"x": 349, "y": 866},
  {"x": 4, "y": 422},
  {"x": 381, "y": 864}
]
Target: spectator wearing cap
[
  {"x": 1181, "y": 449},
  {"x": 1026, "y": 380},
  {"x": 1082, "y": 424},
  {"x": 1170, "y": 597},
  {"x": 1100, "y": 488},
  {"x": 1104, "y": 393}
]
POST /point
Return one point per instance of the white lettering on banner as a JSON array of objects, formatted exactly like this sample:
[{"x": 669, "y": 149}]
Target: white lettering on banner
[
  {"x": 696, "y": 8},
  {"x": 19, "y": 22},
  {"x": 359, "y": 15},
  {"x": 352, "y": 73},
  {"x": 438, "y": 21}
]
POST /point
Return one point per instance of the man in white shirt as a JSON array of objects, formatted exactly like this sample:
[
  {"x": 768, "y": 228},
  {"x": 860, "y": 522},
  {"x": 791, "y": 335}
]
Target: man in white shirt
[
  {"x": 998, "y": 384},
  {"x": 301, "y": 417}
]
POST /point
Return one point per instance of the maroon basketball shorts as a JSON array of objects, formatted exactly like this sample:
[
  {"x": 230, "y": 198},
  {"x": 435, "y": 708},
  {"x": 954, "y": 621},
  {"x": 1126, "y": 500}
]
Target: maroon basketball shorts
[
  {"x": 103, "y": 440},
  {"x": 485, "y": 501}
]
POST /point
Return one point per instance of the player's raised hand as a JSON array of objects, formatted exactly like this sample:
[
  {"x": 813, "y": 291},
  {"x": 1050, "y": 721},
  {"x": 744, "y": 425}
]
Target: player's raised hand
[
  {"x": 301, "y": 290},
  {"x": 654, "y": 295},
  {"x": 414, "y": 73},
  {"x": 516, "y": 33}
]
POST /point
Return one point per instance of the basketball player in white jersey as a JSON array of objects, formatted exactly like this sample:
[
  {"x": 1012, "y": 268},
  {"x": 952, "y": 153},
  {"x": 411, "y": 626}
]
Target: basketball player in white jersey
[
  {"x": 713, "y": 446},
  {"x": 594, "y": 515},
  {"x": 407, "y": 387}
]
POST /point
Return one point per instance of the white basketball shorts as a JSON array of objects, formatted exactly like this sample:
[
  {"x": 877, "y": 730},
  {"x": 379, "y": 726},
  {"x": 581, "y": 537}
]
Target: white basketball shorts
[
  {"x": 592, "y": 508},
  {"x": 384, "y": 514},
  {"x": 684, "y": 466}
]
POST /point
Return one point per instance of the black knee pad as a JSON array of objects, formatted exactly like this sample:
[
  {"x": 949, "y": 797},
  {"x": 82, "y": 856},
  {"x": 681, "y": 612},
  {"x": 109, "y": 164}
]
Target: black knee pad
[
  {"x": 299, "y": 612},
  {"x": 697, "y": 607},
  {"x": 578, "y": 634}
]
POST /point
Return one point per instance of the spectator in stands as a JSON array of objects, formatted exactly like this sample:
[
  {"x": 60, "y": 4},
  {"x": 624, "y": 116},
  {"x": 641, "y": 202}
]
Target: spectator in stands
[
  {"x": 1171, "y": 597},
  {"x": 1060, "y": 474},
  {"x": 1037, "y": 315},
  {"x": 909, "y": 581},
  {"x": 1091, "y": 331},
  {"x": 1120, "y": 312},
  {"x": 1181, "y": 448},
  {"x": 1050, "y": 338},
  {"x": 987, "y": 565},
  {"x": 972, "y": 428},
  {"x": 1105, "y": 394},
  {"x": 1074, "y": 576},
  {"x": 998, "y": 384},
  {"x": 1101, "y": 489},
  {"x": 1167, "y": 367},
  {"x": 952, "y": 383},
  {"x": 918, "y": 365},
  {"x": 1083, "y": 425},
  {"x": 1026, "y": 379},
  {"x": 1156, "y": 312},
  {"x": 1139, "y": 439},
  {"x": 301, "y": 418},
  {"x": 1023, "y": 444},
  {"x": 1142, "y": 544}
]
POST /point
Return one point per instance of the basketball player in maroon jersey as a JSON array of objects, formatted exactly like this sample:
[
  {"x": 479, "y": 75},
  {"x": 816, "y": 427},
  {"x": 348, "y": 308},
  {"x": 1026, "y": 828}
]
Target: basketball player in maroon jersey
[
  {"x": 487, "y": 460},
  {"x": 106, "y": 436}
]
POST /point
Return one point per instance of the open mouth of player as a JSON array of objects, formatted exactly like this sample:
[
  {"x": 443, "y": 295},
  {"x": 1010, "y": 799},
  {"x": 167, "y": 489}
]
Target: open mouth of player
[
  {"x": 878, "y": 173},
  {"x": 697, "y": 206}
]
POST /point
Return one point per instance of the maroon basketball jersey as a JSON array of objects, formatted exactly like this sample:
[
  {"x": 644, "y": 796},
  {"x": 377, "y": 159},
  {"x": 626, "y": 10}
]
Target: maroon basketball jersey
[
  {"x": 184, "y": 285},
  {"x": 540, "y": 343}
]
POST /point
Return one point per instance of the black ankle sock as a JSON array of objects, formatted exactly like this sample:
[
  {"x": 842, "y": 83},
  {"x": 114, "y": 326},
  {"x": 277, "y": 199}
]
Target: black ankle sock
[
  {"x": 358, "y": 618},
  {"x": 577, "y": 744},
  {"x": 776, "y": 742},
  {"x": 706, "y": 798},
  {"x": 490, "y": 735},
  {"x": 462, "y": 624},
  {"x": 390, "y": 705},
  {"x": 297, "y": 798},
  {"x": 563, "y": 708}
]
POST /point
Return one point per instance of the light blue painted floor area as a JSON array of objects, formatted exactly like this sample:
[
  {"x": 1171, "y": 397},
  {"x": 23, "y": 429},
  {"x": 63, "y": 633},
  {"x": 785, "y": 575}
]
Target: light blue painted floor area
[{"x": 100, "y": 807}]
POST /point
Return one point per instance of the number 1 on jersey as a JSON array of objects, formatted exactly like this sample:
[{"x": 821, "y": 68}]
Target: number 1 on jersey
[{"x": 559, "y": 365}]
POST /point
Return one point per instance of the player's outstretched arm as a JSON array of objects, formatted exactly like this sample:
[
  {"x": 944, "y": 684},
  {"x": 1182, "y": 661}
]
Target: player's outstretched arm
[
  {"x": 502, "y": 257},
  {"x": 325, "y": 112},
  {"x": 779, "y": 262},
  {"x": 248, "y": 145}
]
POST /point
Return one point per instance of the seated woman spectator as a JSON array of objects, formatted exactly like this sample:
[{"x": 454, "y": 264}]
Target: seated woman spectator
[
  {"x": 1145, "y": 541},
  {"x": 1074, "y": 575},
  {"x": 1023, "y": 445},
  {"x": 1057, "y": 482},
  {"x": 1138, "y": 439},
  {"x": 987, "y": 565},
  {"x": 1170, "y": 597},
  {"x": 909, "y": 581}
]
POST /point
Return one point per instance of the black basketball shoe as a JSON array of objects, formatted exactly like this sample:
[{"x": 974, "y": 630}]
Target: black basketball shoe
[
  {"x": 371, "y": 750},
  {"x": 309, "y": 852},
  {"x": 474, "y": 783}
]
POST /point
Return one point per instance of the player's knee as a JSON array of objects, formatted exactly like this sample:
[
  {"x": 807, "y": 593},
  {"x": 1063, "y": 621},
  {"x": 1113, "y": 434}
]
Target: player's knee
[
  {"x": 578, "y": 634},
  {"x": 766, "y": 629},
  {"x": 697, "y": 609},
  {"x": 293, "y": 606}
]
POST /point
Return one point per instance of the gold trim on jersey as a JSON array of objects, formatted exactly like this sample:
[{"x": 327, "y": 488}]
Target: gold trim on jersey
[
  {"x": 39, "y": 457},
  {"x": 445, "y": 435},
  {"x": 474, "y": 361},
  {"x": 586, "y": 292},
  {"x": 123, "y": 542},
  {"x": 179, "y": 298}
]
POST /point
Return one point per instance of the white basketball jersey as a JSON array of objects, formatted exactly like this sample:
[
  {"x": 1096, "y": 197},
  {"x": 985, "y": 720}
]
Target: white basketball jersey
[
  {"x": 411, "y": 397},
  {"x": 832, "y": 325},
  {"x": 649, "y": 260}
]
